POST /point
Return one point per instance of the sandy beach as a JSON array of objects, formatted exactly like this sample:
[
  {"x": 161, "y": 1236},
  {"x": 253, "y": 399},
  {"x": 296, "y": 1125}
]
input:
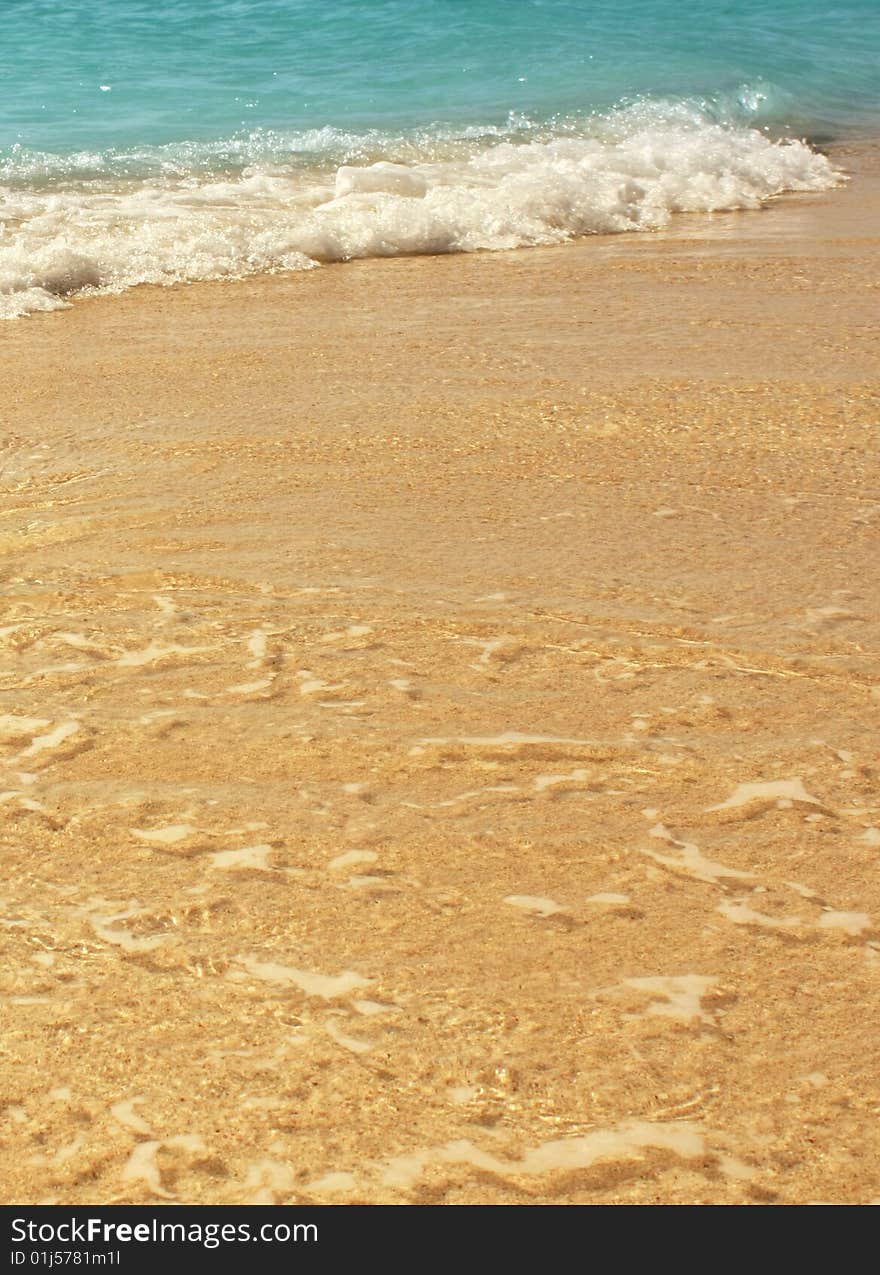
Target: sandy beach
[{"x": 439, "y": 726}]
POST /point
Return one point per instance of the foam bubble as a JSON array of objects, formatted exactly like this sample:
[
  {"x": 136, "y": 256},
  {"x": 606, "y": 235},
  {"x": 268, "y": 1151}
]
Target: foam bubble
[{"x": 177, "y": 222}]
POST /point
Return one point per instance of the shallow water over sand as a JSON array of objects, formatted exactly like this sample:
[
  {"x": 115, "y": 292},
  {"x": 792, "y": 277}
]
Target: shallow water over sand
[{"x": 375, "y": 832}]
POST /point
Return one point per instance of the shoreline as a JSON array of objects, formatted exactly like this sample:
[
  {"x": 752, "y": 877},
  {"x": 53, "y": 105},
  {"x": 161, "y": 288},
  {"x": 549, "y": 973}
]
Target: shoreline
[
  {"x": 40, "y": 277},
  {"x": 438, "y": 719}
]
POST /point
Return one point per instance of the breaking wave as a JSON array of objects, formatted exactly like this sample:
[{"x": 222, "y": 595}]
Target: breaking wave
[{"x": 268, "y": 203}]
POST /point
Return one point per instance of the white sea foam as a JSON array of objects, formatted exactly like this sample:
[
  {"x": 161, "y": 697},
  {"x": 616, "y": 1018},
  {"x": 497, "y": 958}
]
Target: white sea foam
[{"x": 633, "y": 171}]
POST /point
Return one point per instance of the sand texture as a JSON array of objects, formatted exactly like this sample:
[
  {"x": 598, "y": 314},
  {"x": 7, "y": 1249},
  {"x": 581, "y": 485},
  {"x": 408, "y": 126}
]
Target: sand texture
[{"x": 439, "y": 727}]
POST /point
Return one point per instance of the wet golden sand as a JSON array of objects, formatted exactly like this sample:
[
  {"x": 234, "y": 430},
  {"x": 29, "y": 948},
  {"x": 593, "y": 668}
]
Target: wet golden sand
[{"x": 438, "y": 727}]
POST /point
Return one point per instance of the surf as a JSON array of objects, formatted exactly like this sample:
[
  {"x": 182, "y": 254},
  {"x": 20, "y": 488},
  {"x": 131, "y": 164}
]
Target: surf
[{"x": 631, "y": 172}]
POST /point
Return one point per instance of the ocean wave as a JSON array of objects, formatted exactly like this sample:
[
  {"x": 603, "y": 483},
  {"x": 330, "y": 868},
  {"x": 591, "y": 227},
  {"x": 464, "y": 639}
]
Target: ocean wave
[{"x": 343, "y": 196}]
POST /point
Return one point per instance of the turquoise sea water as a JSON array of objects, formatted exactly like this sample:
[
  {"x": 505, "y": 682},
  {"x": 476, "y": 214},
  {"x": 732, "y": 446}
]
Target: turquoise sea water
[{"x": 195, "y": 138}]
